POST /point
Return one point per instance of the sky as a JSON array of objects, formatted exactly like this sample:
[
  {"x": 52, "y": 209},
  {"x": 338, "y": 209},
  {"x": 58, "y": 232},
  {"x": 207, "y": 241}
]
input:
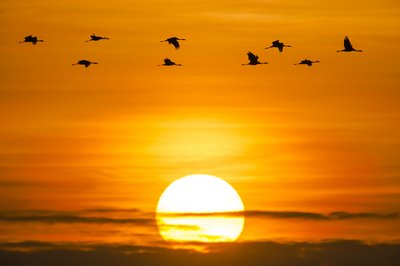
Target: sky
[{"x": 85, "y": 153}]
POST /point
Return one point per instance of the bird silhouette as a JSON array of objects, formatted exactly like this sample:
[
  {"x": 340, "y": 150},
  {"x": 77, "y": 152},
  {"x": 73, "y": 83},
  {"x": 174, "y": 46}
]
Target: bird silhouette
[
  {"x": 169, "y": 62},
  {"x": 86, "y": 63},
  {"x": 307, "y": 62},
  {"x": 94, "y": 37},
  {"x": 31, "y": 39},
  {"x": 253, "y": 59},
  {"x": 348, "y": 47},
  {"x": 279, "y": 45},
  {"x": 174, "y": 41}
]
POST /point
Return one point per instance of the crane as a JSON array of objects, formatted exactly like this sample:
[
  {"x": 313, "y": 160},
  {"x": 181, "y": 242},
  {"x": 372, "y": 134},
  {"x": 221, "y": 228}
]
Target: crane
[
  {"x": 85, "y": 63},
  {"x": 174, "y": 41},
  {"x": 279, "y": 45},
  {"x": 253, "y": 59},
  {"x": 32, "y": 39},
  {"x": 307, "y": 62},
  {"x": 347, "y": 46}
]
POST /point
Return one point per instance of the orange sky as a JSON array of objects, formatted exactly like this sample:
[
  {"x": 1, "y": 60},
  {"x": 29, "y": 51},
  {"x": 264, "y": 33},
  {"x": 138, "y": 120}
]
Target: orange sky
[{"x": 114, "y": 135}]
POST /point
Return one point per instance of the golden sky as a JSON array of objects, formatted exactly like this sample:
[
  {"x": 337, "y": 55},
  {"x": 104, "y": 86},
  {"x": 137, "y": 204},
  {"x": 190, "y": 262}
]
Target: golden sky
[{"x": 314, "y": 139}]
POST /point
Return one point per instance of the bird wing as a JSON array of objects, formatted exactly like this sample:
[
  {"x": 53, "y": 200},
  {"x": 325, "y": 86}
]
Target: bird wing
[
  {"x": 167, "y": 61},
  {"x": 280, "y": 47},
  {"x": 275, "y": 43},
  {"x": 175, "y": 43},
  {"x": 347, "y": 43},
  {"x": 252, "y": 57}
]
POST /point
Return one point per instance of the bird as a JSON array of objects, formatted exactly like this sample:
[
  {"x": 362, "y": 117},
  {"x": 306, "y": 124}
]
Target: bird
[
  {"x": 307, "y": 62},
  {"x": 169, "y": 62},
  {"x": 348, "y": 47},
  {"x": 278, "y": 45},
  {"x": 174, "y": 41},
  {"x": 32, "y": 39},
  {"x": 86, "y": 63},
  {"x": 94, "y": 37},
  {"x": 253, "y": 59}
]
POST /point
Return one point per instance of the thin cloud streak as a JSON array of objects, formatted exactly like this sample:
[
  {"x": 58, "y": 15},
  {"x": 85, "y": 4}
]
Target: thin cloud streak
[
  {"x": 45, "y": 217},
  {"x": 296, "y": 215},
  {"x": 147, "y": 219}
]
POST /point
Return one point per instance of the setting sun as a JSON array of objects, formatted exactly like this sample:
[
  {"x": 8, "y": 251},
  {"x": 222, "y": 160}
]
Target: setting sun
[{"x": 191, "y": 209}]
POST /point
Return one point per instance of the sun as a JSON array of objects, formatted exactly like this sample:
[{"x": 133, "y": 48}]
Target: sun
[{"x": 198, "y": 208}]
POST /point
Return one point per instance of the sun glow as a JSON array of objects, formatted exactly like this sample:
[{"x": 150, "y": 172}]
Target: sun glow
[{"x": 191, "y": 209}]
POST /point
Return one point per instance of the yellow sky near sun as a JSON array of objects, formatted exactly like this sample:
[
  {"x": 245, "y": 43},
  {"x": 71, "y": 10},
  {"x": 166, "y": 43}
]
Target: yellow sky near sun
[{"x": 117, "y": 133}]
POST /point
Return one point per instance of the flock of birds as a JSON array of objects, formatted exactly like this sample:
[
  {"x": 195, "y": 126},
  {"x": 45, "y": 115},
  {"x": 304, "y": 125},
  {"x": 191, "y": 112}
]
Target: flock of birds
[{"x": 253, "y": 59}]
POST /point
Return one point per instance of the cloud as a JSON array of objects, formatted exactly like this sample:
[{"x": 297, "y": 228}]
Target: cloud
[
  {"x": 65, "y": 217},
  {"x": 320, "y": 216},
  {"x": 137, "y": 217},
  {"x": 111, "y": 210},
  {"x": 336, "y": 252},
  {"x": 297, "y": 215}
]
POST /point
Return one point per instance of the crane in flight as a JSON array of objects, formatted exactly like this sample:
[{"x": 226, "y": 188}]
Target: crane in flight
[
  {"x": 85, "y": 63},
  {"x": 174, "y": 41},
  {"x": 31, "y": 39},
  {"x": 279, "y": 45},
  {"x": 307, "y": 62},
  {"x": 169, "y": 62},
  {"x": 348, "y": 47},
  {"x": 253, "y": 59},
  {"x": 95, "y": 38}
]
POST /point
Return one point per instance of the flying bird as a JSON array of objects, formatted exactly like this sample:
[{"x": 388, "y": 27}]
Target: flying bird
[
  {"x": 86, "y": 63},
  {"x": 94, "y": 37},
  {"x": 279, "y": 45},
  {"x": 348, "y": 47},
  {"x": 174, "y": 41},
  {"x": 253, "y": 59},
  {"x": 307, "y": 62},
  {"x": 32, "y": 39},
  {"x": 169, "y": 62}
]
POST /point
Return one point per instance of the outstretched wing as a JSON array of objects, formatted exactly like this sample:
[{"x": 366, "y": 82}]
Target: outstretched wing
[
  {"x": 347, "y": 44},
  {"x": 275, "y": 43},
  {"x": 86, "y": 63},
  {"x": 168, "y": 61},
  {"x": 174, "y": 42},
  {"x": 252, "y": 57},
  {"x": 28, "y": 38},
  {"x": 280, "y": 47}
]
